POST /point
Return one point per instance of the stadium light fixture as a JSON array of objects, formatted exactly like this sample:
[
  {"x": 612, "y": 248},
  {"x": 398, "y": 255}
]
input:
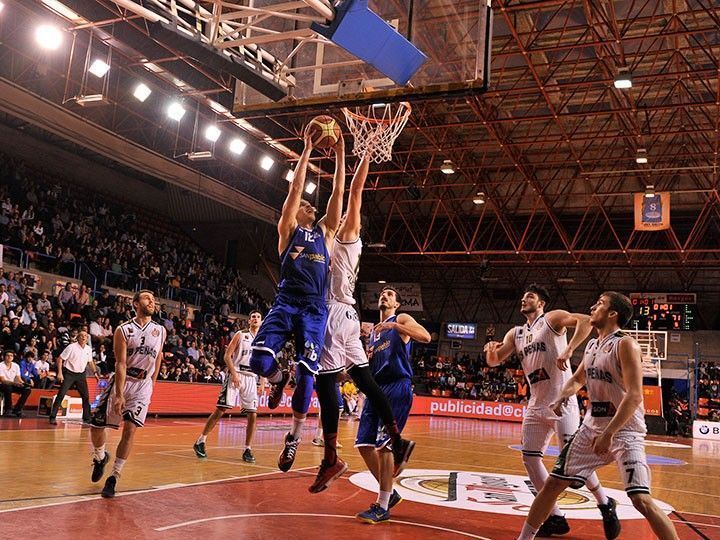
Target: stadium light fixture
[
  {"x": 175, "y": 111},
  {"x": 623, "y": 81},
  {"x": 266, "y": 163},
  {"x": 212, "y": 133},
  {"x": 649, "y": 191},
  {"x": 641, "y": 156},
  {"x": 310, "y": 188},
  {"x": 237, "y": 146},
  {"x": 479, "y": 198},
  {"x": 142, "y": 92},
  {"x": 99, "y": 68},
  {"x": 49, "y": 37},
  {"x": 447, "y": 167},
  {"x": 2, "y": 6},
  {"x": 290, "y": 175},
  {"x": 382, "y": 281}
]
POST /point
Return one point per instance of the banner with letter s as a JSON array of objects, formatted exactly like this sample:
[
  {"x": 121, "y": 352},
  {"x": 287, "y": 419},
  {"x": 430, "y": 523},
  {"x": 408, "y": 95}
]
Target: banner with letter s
[{"x": 652, "y": 213}]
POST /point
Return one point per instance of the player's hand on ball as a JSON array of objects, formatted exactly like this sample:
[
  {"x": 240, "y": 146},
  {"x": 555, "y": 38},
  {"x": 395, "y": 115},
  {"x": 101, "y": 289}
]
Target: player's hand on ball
[
  {"x": 119, "y": 405},
  {"x": 601, "y": 443},
  {"x": 340, "y": 144},
  {"x": 563, "y": 361},
  {"x": 307, "y": 137}
]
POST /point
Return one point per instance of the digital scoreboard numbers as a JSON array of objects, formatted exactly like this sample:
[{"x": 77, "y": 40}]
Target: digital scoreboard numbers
[{"x": 664, "y": 311}]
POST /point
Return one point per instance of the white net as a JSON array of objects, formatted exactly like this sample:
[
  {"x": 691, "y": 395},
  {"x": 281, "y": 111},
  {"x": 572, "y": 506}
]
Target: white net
[
  {"x": 375, "y": 128},
  {"x": 653, "y": 344}
]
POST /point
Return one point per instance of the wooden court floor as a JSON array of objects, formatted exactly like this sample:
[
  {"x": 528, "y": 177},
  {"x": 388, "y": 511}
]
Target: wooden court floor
[{"x": 464, "y": 481}]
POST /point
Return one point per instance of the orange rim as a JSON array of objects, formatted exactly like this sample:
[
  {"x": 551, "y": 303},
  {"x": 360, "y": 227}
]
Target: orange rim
[{"x": 363, "y": 118}]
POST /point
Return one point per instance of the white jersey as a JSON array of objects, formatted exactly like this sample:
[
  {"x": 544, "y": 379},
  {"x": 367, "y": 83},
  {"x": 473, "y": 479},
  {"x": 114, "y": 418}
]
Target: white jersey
[
  {"x": 605, "y": 385},
  {"x": 144, "y": 343},
  {"x": 344, "y": 271},
  {"x": 539, "y": 346},
  {"x": 241, "y": 358}
]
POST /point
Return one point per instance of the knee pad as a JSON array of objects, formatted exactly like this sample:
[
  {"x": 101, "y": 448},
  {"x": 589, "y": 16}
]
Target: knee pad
[
  {"x": 303, "y": 391},
  {"x": 262, "y": 363}
]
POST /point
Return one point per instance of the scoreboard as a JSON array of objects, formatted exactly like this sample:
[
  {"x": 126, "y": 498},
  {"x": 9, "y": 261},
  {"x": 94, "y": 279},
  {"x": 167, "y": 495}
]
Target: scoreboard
[{"x": 664, "y": 311}]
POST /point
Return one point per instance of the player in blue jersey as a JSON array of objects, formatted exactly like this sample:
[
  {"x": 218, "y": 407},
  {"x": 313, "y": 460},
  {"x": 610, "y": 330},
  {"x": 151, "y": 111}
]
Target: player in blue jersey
[
  {"x": 299, "y": 311},
  {"x": 389, "y": 354}
]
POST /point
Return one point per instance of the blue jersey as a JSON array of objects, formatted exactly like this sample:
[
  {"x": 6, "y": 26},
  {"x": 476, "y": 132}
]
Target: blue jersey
[
  {"x": 389, "y": 356},
  {"x": 304, "y": 265}
]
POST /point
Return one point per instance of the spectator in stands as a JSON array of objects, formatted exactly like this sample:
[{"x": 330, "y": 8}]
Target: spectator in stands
[
  {"x": 66, "y": 297},
  {"x": 27, "y": 315},
  {"x": 82, "y": 297},
  {"x": 28, "y": 372},
  {"x": 43, "y": 304},
  {"x": 190, "y": 375},
  {"x": 4, "y": 298},
  {"x": 42, "y": 367},
  {"x": 11, "y": 383}
]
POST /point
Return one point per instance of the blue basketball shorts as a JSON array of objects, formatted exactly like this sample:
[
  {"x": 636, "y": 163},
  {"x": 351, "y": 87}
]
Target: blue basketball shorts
[
  {"x": 371, "y": 431},
  {"x": 298, "y": 319}
]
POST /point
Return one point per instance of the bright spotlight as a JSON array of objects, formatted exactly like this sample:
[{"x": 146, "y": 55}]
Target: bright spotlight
[
  {"x": 142, "y": 92},
  {"x": 49, "y": 37},
  {"x": 290, "y": 175},
  {"x": 310, "y": 188},
  {"x": 175, "y": 111},
  {"x": 99, "y": 68},
  {"x": 237, "y": 146},
  {"x": 212, "y": 133},
  {"x": 267, "y": 162},
  {"x": 2, "y": 6}
]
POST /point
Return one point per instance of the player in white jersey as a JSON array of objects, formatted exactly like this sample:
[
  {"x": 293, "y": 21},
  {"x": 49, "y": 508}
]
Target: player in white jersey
[
  {"x": 138, "y": 345},
  {"x": 614, "y": 426},
  {"x": 343, "y": 348},
  {"x": 542, "y": 345},
  {"x": 239, "y": 388}
]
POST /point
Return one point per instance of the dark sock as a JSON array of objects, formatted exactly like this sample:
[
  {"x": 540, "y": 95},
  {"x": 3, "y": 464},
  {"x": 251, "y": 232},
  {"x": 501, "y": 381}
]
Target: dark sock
[
  {"x": 327, "y": 396},
  {"x": 366, "y": 384}
]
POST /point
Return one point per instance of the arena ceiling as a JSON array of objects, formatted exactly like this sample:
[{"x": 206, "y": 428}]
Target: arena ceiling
[{"x": 552, "y": 143}]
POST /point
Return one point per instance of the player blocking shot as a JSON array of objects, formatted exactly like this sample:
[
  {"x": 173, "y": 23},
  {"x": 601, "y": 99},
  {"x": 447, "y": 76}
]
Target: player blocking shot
[
  {"x": 542, "y": 345},
  {"x": 299, "y": 311},
  {"x": 238, "y": 390},
  {"x": 138, "y": 345},
  {"x": 614, "y": 427},
  {"x": 389, "y": 353},
  {"x": 343, "y": 348}
]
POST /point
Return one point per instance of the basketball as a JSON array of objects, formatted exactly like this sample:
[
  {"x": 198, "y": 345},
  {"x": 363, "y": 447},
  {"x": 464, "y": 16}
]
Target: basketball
[{"x": 324, "y": 131}]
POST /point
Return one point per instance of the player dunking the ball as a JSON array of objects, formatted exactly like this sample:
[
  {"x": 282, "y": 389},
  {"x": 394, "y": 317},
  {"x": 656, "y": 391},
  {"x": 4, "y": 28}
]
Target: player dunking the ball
[
  {"x": 389, "y": 352},
  {"x": 614, "y": 427},
  {"x": 138, "y": 345},
  {"x": 343, "y": 348},
  {"x": 544, "y": 351},
  {"x": 299, "y": 310},
  {"x": 239, "y": 388}
]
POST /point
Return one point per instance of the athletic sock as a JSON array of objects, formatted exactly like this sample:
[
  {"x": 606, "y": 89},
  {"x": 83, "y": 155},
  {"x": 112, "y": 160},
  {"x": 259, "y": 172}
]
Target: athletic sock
[
  {"x": 556, "y": 511},
  {"x": 383, "y": 499},
  {"x": 99, "y": 453},
  {"x": 528, "y": 532},
  {"x": 118, "y": 466},
  {"x": 296, "y": 428},
  {"x": 330, "y": 444},
  {"x": 201, "y": 439},
  {"x": 599, "y": 493}
]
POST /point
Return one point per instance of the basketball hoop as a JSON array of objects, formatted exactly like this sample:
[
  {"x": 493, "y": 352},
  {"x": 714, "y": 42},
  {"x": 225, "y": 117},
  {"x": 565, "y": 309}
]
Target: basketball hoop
[{"x": 375, "y": 128}]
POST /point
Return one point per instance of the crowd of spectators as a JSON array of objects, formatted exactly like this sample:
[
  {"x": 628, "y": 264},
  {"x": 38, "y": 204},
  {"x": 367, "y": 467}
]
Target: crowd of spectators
[
  {"x": 709, "y": 391},
  {"x": 60, "y": 225}
]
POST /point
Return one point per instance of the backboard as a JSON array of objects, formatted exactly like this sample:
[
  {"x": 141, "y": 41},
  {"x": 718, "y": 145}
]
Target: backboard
[{"x": 454, "y": 34}]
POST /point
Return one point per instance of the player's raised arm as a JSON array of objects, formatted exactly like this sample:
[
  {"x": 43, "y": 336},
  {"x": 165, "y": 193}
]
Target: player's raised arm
[
  {"x": 558, "y": 320},
  {"x": 288, "y": 217},
  {"x": 331, "y": 220},
  {"x": 350, "y": 230},
  {"x": 409, "y": 328},
  {"x": 496, "y": 352}
]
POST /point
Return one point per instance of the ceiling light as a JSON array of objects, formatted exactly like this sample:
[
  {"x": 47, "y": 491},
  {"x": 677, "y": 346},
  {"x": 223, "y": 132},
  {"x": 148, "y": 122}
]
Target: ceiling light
[
  {"x": 175, "y": 111},
  {"x": 377, "y": 245},
  {"x": 641, "y": 156},
  {"x": 142, "y": 92},
  {"x": 623, "y": 81},
  {"x": 267, "y": 162},
  {"x": 649, "y": 191},
  {"x": 310, "y": 188},
  {"x": 447, "y": 167},
  {"x": 290, "y": 175},
  {"x": 90, "y": 99},
  {"x": 199, "y": 156},
  {"x": 2, "y": 6},
  {"x": 237, "y": 146},
  {"x": 382, "y": 281},
  {"x": 212, "y": 133},
  {"x": 479, "y": 198},
  {"x": 99, "y": 68},
  {"x": 49, "y": 37}
]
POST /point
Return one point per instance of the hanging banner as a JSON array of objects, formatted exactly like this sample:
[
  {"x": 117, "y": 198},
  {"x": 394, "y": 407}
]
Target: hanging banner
[
  {"x": 410, "y": 295},
  {"x": 652, "y": 213}
]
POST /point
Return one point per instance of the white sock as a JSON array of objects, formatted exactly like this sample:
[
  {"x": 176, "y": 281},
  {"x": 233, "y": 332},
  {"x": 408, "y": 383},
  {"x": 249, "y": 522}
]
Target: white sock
[
  {"x": 202, "y": 439},
  {"x": 118, "y": 466},
  {"x": 99, "y": 453},
  {"x": 527, "y": 533},
  {"x": 596, "y": 489},
  {"x": 247, "y": 447},
  {"x": 297, "y": 426},
  {"x": 383, "y": 499}
]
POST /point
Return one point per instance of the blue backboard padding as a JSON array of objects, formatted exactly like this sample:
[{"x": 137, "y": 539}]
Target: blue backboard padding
[{"x": 362, "y": 33}]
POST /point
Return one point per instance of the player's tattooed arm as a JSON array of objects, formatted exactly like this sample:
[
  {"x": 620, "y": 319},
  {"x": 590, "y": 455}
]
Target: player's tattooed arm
[
  {"x": 497, "y": 352},
  {"x": 558, "y": 320},
  {"x": 288, "y": 217}
]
